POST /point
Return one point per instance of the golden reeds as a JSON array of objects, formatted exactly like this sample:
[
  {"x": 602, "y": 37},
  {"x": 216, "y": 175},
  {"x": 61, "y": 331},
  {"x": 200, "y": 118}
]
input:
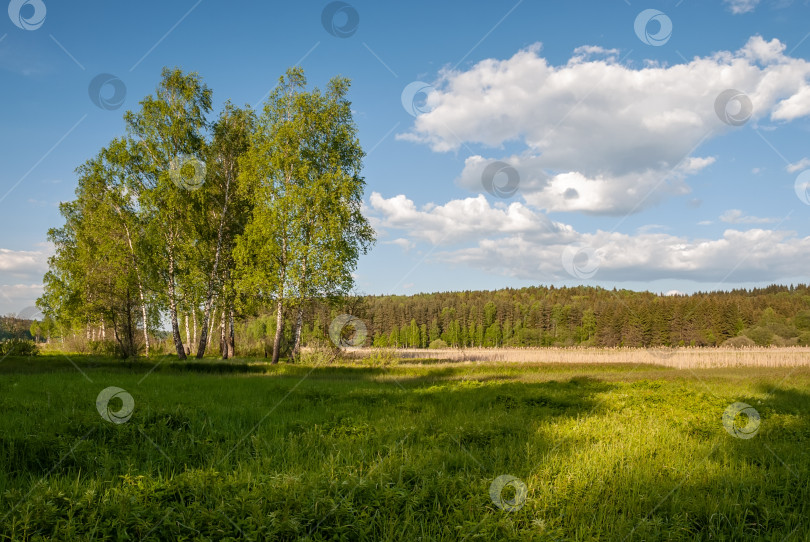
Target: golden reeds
[{"x": 680, "y": 358}]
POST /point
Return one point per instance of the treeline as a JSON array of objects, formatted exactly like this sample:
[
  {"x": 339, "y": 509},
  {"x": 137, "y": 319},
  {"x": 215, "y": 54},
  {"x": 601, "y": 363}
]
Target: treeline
[
  {"x": 14, "y": 327},
  {"x": 580, "y": 316},
  {"x": 196, "y": 222}
]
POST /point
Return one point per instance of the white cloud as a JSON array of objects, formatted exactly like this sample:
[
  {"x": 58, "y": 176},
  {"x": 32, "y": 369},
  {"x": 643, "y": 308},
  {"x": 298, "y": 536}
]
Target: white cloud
[
  {"x": 404, "y": 244},
  {"x": 589, "y": 51},
  {"x": 796, "y": 166},
  {"x": 797, "y": 105},
  {"x": 16, "y": 298},
  {"x": 460, "y": 220},
  {"x": 739, "y": 256},
  {"x": 21, "y": 291},
  {"x": 741, "y": 6},
  {"x": 736, "y": 216},
  {"x": 573, "y": 191},
  {"x": 519, "y": 242},
  {"x": 21, "y": 273},
  {"x": 598, "y": 136},
  {"x": 23, "y": 261}
]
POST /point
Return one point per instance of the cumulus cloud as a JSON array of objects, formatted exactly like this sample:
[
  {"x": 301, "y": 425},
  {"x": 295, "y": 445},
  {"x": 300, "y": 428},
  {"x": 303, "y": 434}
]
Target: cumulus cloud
[
  {"x": 517, "y": 241},
  {"x": 598, "y": 136},
  {"x": 21, "y": 274},
  {"x": 461, "y": 220},
  {"x": 575, "y": 192},
  {"x": 23, "y": 261}
]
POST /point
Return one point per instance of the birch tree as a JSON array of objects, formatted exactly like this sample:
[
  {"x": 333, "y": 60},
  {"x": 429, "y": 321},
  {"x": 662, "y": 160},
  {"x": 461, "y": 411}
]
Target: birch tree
[
  {"x": 226, "y": 211},
  {"x": 302, "y": 173},
  {"x": 169, "y": 126}
]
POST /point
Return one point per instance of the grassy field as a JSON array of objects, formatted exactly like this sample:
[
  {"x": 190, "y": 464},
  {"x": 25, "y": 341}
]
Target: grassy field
[{"x": 247, "y": 451}]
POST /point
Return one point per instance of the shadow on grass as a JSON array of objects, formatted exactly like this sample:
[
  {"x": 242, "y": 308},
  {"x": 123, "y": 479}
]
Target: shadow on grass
[{"x": 54, "y": 363}]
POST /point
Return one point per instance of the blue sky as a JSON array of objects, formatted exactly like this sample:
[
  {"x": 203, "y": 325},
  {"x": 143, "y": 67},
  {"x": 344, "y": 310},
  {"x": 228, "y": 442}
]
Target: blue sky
[{"x": 626, "y": 174}]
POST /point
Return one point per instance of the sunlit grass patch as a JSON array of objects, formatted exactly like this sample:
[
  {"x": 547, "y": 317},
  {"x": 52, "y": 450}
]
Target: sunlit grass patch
[{"x": 400, "y": 452}]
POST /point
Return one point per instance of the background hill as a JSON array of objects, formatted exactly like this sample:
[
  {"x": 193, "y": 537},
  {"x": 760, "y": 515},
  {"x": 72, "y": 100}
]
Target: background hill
[{"x": 587, "y": 316}]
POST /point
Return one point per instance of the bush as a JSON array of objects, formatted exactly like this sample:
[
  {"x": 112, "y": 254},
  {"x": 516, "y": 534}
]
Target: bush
[
  {"x": 314, "y": 355},
  {"x": 18, "y": 347},
  {"x": 739, "y": 342},
  {"x": 760, "y": 335},
  {"x": 437, "y": 344},
  {"x": 380, "y": 357},
  {"x": 104, "y": 348}
]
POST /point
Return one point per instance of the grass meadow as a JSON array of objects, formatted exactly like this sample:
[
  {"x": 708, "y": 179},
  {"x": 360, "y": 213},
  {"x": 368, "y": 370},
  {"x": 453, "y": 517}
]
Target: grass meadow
[{"x": 401, "y": 450}]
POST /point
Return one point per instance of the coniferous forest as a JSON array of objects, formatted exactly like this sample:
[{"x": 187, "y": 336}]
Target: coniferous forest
[{"x": 578, "y": 316}]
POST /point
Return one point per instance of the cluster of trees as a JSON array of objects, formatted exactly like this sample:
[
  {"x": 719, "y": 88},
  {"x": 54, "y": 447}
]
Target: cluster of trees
[
  {"x": 189, "y": 220},
  {"x": 581, "y": 316},
  {"x": 14, "y": 327}
]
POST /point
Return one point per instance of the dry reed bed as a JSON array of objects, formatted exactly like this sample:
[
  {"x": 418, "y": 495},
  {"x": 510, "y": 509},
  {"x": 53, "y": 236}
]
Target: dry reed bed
[{"x": 679, "y": 358}]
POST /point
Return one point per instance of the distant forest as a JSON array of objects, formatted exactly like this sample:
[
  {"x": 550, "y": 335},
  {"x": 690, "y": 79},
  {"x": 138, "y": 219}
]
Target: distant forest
[
  {"x": 536, "y": 316},
  {"x": 579, "y": 316}
]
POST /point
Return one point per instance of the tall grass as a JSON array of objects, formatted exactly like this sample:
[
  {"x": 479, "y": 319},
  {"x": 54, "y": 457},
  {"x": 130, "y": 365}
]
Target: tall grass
[{"x": 678, "y": 358}]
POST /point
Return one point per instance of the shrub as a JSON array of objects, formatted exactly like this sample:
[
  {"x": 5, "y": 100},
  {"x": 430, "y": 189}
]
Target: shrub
[
  {"x": 760, "y": 335},
  {"x": 315, "y": 355},
  {"x": 437, "y": 344},
  {"x": 18, "y": 347},
  {"x": 104, "y": 348},
  {"x": 739, "y": 342}
]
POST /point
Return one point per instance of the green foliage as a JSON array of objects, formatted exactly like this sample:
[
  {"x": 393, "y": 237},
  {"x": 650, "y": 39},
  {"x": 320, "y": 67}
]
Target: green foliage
[
  {"x": 188, "y": 219},
  {"x": 106, "y": 348},
  {"x": 802, "y": 320},
  {"x": 13, "y": 327},
  {"x": 583, "y": 316},
  {"x": 302, "y": 174},
  {"x": 18, "y": 347},
  {"x": 437, "y": 344},
  {"x": 760, "y": 335},
  {"x": 739, "y": 342}
]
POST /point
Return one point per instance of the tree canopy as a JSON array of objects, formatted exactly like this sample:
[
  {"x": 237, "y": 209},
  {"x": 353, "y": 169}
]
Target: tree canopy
[{"x": 184, "y": 218}]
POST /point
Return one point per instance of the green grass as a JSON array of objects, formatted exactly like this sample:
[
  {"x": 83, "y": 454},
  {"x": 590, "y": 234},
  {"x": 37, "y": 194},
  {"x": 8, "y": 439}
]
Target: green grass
[{"x": 249, "y": 451}]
